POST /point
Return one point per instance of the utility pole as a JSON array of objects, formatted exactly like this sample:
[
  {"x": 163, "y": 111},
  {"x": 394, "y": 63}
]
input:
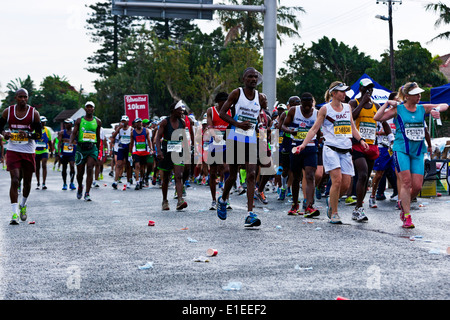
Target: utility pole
[{"x": 391, "y": 37}]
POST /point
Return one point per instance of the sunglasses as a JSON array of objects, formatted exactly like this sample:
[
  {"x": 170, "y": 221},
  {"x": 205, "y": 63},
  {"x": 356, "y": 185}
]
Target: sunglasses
[{"x": 336, "y": 87}]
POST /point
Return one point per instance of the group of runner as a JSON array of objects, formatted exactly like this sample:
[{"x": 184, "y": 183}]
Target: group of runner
[{"x": 240, "y": 143}]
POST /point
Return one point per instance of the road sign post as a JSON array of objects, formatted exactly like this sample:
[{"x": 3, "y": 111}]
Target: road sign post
[
  {"x": 136, "y": 106},
  {"x": 202, "y": 9}
]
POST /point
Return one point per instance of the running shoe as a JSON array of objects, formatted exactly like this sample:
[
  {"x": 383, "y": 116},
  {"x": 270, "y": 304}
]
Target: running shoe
[
  {"x": 181, "y": 204},
  {"x": 252, "y": 220},
  {"x": 289, "y": 193},
  {"x": 114, "y": 185},
  {"x": 372, "y": 203},
  {"x": 261, "y": 197},
  {"x": 100, "y": 176},
  {"x": 242, "y": 190},
  {"x": 87, "y": 197},
  {"x": 221, "y": 209},
  {"x": 44, "y": 187},
  {"x": 310, "y": 211},
  {"x": 72, "y": 186},
  {"x": 64, "y": 186},
  {"x": 349, "y": 201},
  {"x": 38, "y": 187},
  {"x": 294, "y": 210},
  {"x": 137, "y": 186},
  {"x": 394, "y": 197},
  {"x": 407, "y": 223},
  {"x": 14, "y": 219},
  {"x": 335, "y": 219},
  {"x": 80, "y": 192},
  {"x": 282, "y": 194},
  {"x": 165, "y": 205},
  {"x": 23, "y": 212},
  {"x": 359, "y": 215},
  {"x": 213, "y": 205}
]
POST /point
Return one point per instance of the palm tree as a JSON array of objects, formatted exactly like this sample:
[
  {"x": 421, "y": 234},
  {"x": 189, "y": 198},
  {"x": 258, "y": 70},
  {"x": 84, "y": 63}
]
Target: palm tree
[
  {"x": 444, "y": 18},
  {"x": 15, "y": 85},
  {"x": 250, "y": 25}
]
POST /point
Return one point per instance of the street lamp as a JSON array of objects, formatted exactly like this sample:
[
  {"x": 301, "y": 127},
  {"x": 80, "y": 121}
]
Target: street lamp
[{"x": 391, "y": 40}]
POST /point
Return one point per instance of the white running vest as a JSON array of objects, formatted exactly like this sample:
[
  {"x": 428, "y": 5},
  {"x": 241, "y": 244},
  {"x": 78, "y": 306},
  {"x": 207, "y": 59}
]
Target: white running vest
[
  {"x": 338, "y": 133},
  {"x": 302, "y": 125},
  {"x": 246, "y": 110}
]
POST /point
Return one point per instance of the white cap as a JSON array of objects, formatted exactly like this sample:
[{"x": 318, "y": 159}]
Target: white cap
[
  {"x": 416, "y": 90},
  {"x": 124, "y": 118},
  {"x": 365, "y": 82},
  {"x": 89, "y": 103},
  {"x": 180, "y": 104},
  {"x": 43, "y": 119}
]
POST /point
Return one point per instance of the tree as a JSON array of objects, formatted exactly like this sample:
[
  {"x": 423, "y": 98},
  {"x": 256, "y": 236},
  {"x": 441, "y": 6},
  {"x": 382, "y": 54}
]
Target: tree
[
  {"x": 55, "y": 95},
  {"x": 249, "y": 26},
  {"x": 110, "y": 31},
  {"x": 313, "y": 69},
  {"x": 345, "y": 63},
  {"x": 444, "y": 18},
  {"x": 16, "y": 84},
  {"x": 412, "y": 63}
]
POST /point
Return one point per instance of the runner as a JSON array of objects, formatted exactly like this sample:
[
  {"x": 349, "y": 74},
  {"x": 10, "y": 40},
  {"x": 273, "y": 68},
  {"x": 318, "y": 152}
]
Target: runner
[
  {"x": 67, "y": 153},
  {"x": 338, "y": 127},
  {"x": 384, "y": 165},
  {"x": 299, "y": 120},
  {"x": 87, "y": 134},
  {"x": 43, "y": 146},
  {"x": 263, "y": 135},
  {"x": 101, "y": 159},
  {"x": 150, "y": 158},
  {"x": 24, "y": 128},
  {"x": 241, "y": 142},
  {"x": 363, "y": 111},
  {"x": 123, "y": 132},
  {"x": 409, "y": 141},
  {"x": 216, "y": 151},
  {"x": 285, "y": 143},
  {"x": 140, "y": 146},
  {"x": 170, "y": 152}
]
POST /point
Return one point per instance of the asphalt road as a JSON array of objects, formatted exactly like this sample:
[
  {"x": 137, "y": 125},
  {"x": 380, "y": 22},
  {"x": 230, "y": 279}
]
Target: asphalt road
[{"x": 79, "y": 250}]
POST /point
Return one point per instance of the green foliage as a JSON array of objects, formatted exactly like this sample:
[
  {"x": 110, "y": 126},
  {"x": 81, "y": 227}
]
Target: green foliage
[{"x": 412, "y": 63}]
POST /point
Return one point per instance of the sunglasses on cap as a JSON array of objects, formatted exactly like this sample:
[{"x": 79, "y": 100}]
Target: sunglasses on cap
[{"x": 339, "y": 87}]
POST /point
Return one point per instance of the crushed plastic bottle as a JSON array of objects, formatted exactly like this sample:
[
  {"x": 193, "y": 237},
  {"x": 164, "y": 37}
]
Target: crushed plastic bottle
[
  {"x": 148, "y": 265},
  {"x": 192, "y": 240},
  {"x": 201, "y": 259},
  {"x": 297, "y": 267},
  {"x": 233, "y": 286}
]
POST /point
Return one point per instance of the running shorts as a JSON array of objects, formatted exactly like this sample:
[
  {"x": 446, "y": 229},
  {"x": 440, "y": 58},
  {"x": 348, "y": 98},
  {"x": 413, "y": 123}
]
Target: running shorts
[
  {"x": 403, "y": 162},
  {"x": 333, "y": 160},
  {"x": 20, "y": 160}
]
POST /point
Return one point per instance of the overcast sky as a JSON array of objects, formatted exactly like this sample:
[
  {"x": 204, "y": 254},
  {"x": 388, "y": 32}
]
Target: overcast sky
[{"x": 46, "y": 37}]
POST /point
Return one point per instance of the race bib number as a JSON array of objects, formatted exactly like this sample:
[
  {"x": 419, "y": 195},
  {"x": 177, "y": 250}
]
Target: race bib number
[
  {"x": 415, "y": 131},
  {"x": 174, "y": 146},
  {"x": 300, "y": 135},
  {"x": 343, "y": 129},
  {"x": 89, "y": 136},
  {"x": 368, "y": 130},
  {"x": 16, "y": 139},
  {"x": 125, "y": 139},
  {"x": 67, "y": 148},
  {"x": 251, "y": 131}
]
